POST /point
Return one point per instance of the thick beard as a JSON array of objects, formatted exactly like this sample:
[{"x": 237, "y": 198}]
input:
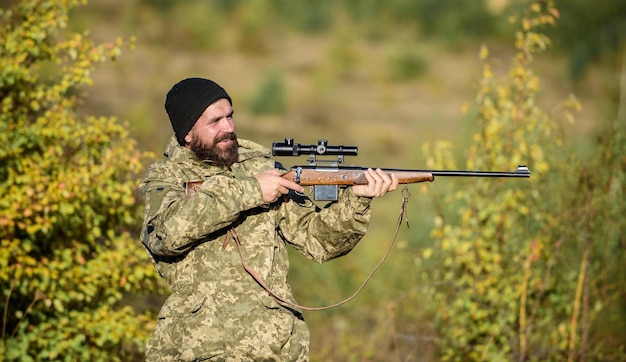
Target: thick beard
[{"x": 218, "y": 156}]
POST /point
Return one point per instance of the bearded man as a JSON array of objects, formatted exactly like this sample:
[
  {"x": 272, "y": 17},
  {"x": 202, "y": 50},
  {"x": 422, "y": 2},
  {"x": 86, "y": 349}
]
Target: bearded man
[{"x": 217, "y": 310}]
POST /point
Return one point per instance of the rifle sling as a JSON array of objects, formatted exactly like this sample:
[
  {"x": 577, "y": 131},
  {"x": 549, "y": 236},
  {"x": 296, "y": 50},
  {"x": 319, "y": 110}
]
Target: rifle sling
[{"x": 259, "y": 280}]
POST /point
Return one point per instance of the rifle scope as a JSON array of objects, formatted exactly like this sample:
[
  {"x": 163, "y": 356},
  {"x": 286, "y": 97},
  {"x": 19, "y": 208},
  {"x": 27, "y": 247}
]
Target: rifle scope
[{"x": 289, "y": 148}]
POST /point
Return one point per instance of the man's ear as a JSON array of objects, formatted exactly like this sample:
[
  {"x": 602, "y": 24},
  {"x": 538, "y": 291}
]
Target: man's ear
[{"x": 188, "y": 138}]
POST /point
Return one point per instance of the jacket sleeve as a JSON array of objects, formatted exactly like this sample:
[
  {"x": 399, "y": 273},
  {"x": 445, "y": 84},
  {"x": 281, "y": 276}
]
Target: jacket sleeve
[
  {"x": 324, "y": 234},
  {"x": 174, "y": 222}
]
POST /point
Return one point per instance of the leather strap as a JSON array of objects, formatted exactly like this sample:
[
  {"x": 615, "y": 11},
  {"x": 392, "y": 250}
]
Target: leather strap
[{"x": 258, "y": 279}]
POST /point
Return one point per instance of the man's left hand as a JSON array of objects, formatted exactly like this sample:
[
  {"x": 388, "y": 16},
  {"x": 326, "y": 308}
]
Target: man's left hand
[{"x": 379, "y": 183}]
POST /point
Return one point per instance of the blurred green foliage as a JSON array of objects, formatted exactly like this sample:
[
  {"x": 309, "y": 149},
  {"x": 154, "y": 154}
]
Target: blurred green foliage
[
  {"x": 270, "y": 97},
  {"x": 520, "y": 281},
  {"x": 590, "y": 31},
  {"x": 68, "y": 251},
  {"x": 586, "y": 32},
  {"x": 407, "y": 65}
]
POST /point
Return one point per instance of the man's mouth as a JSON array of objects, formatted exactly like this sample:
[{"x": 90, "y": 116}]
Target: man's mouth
[{"x": 227, "y": 139}]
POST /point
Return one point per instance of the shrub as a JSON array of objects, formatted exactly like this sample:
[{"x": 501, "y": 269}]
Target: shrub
[{"x": 68, "y": 253}]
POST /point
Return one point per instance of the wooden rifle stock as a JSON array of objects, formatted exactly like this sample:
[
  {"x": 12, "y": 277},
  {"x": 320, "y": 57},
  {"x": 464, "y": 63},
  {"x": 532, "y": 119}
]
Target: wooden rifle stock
[{"x": 348, "y": 176}]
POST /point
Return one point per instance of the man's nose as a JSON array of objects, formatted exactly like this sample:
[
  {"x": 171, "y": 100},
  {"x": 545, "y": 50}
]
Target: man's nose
[{"x": 227, "y": 126}]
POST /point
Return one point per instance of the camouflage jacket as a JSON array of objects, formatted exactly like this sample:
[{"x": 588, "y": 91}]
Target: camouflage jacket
[{"x": 216, "y": 309}]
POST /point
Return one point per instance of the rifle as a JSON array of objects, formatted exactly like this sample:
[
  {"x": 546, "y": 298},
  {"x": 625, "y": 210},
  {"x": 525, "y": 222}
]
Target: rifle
[
  {"x": 325, "y": 180},
  {"x": 327, "y": 177}
]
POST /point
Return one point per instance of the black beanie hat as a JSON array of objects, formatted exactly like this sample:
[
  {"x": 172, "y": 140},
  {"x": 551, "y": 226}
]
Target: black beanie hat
[{"x": 187, "y": 100}]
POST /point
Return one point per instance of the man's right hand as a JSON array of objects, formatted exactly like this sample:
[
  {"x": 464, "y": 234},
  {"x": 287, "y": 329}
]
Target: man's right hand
[{"x": 274, "y": 186}]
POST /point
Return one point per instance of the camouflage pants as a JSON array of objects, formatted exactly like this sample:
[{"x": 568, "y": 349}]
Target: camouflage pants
[{"x": 260, "y": 334}]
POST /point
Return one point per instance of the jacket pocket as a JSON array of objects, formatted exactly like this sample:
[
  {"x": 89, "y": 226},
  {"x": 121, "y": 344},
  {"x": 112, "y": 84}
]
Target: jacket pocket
[
  {"x": 193, "y": 327},
  {"x": 170, "y": 334},
  {"x": 178, "y": 315},
  {"x": 180, "y": 305}
]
